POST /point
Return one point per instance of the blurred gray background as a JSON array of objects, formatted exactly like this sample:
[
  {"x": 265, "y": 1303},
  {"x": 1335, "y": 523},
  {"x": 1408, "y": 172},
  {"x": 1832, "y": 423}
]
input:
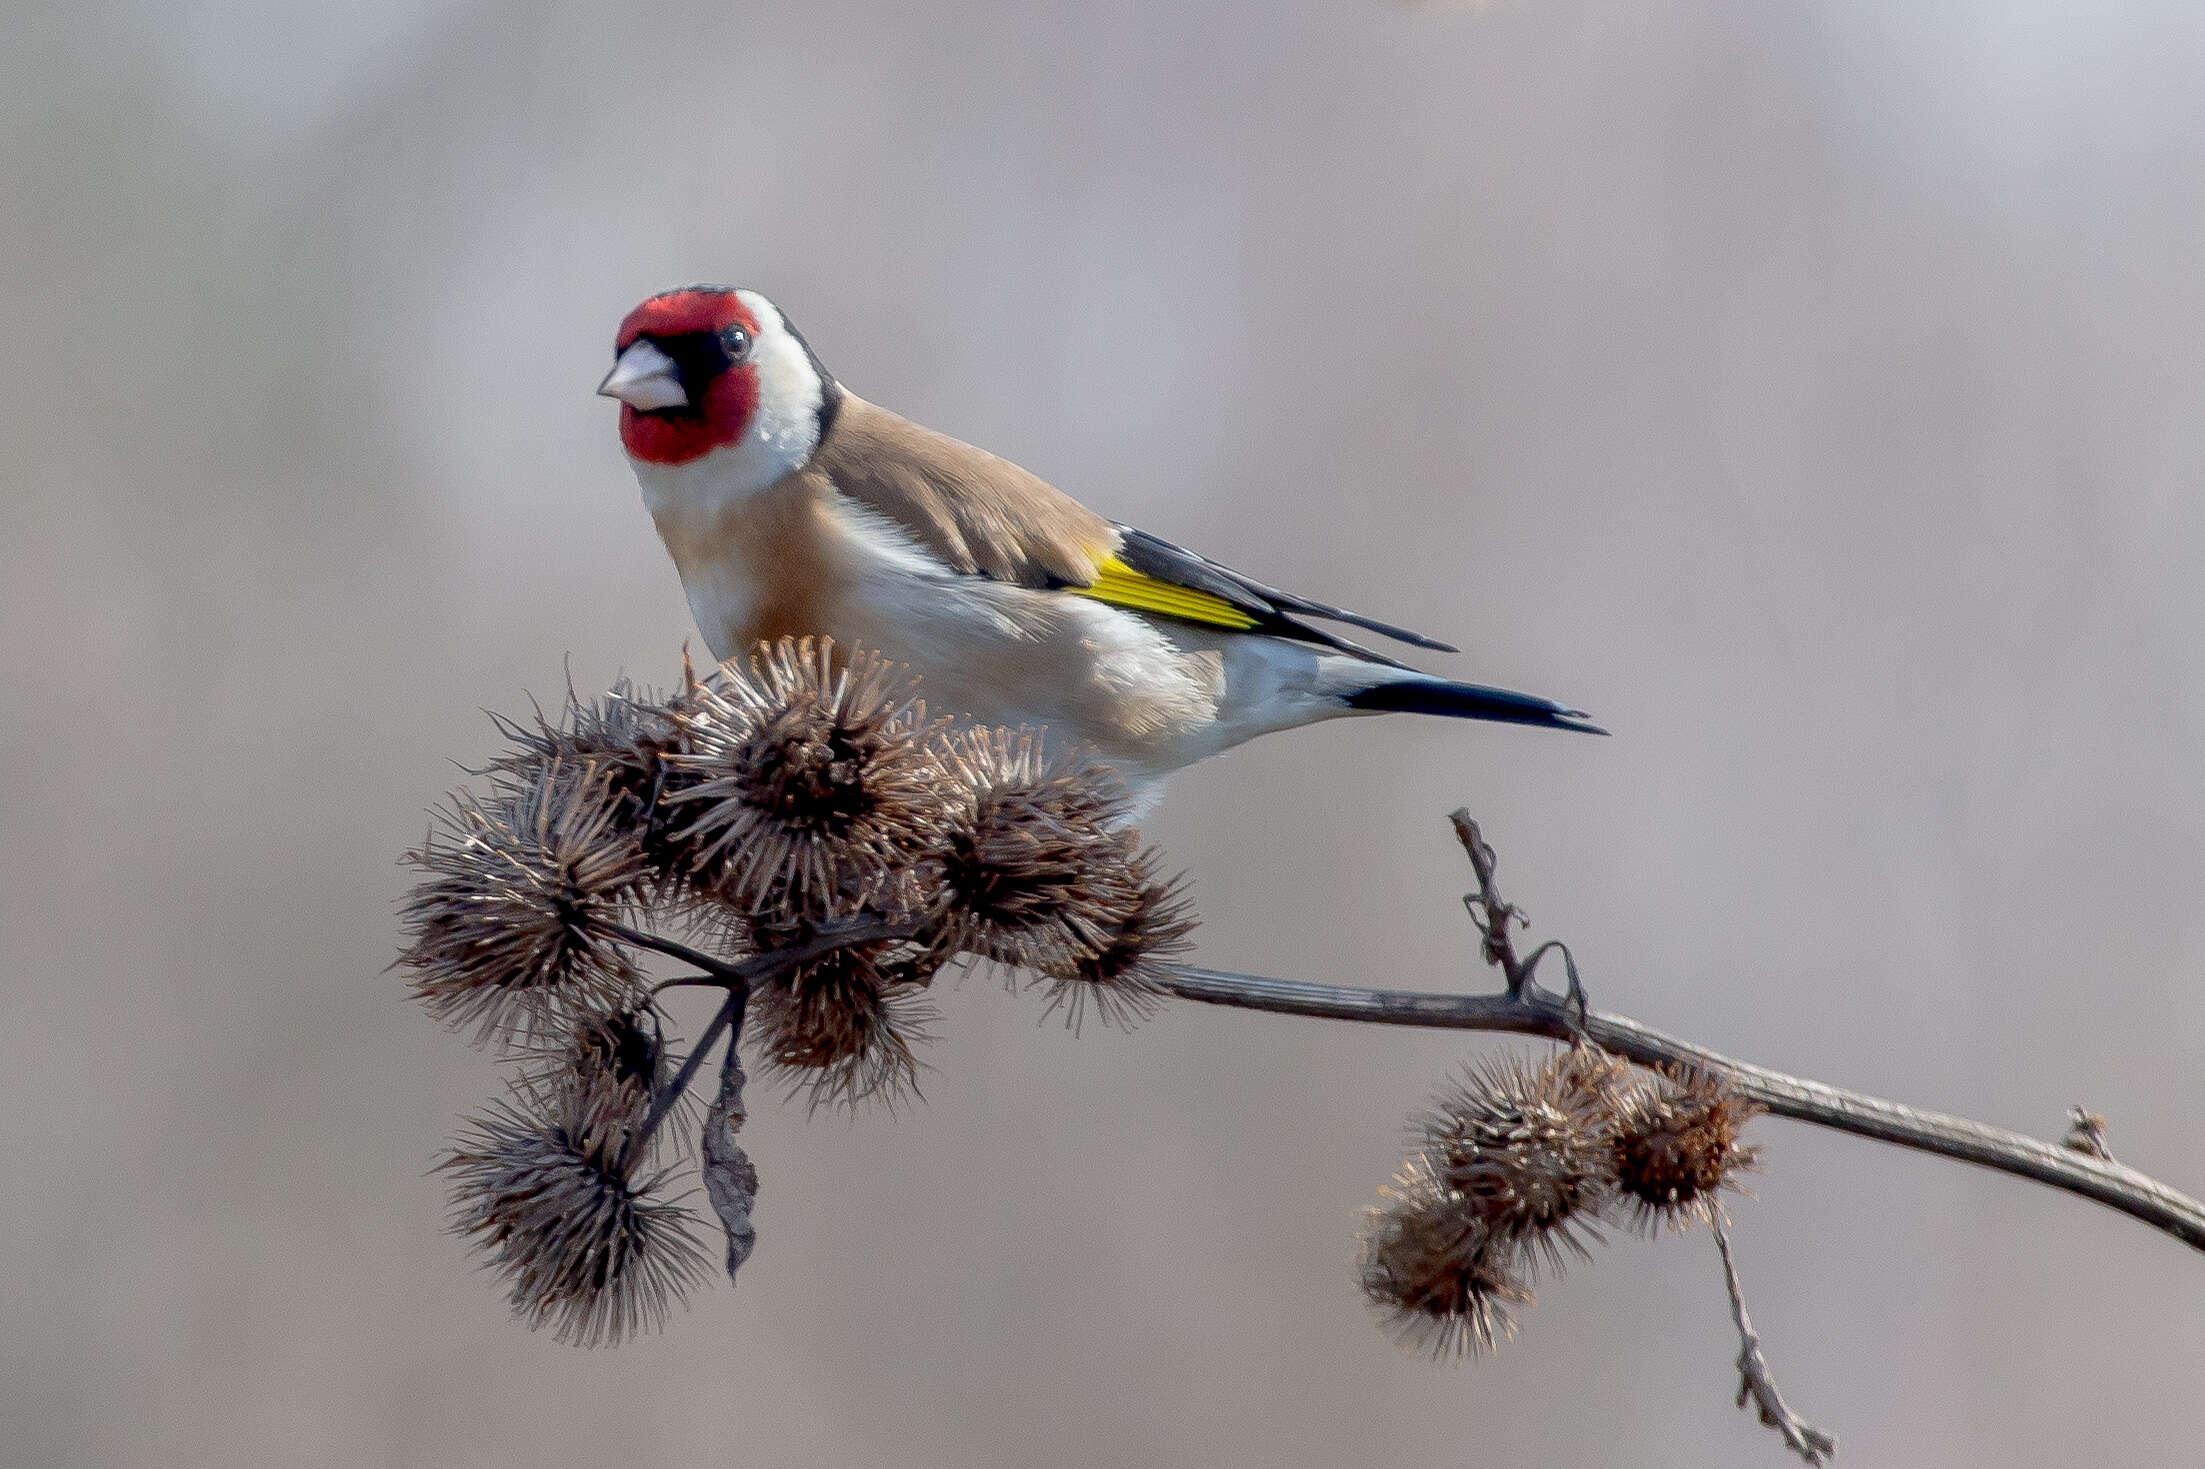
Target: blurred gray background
[{"x": 1811, "y": 391}]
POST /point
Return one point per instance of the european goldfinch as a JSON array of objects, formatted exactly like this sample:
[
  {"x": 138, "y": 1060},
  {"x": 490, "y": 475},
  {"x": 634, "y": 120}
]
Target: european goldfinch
[{"x": 792, "y": 506}]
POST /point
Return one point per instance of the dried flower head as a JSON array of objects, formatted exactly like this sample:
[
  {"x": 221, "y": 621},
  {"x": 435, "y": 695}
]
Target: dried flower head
[
  {"x": 1442, "y": 1281},
  {"x": 629, "y": 733},
  {"x": 1119, "y": 977},
  {"x": 625, "y": 1048},
  {"x": 1031, "y": 870},
  {"x": 620, "y": 1060},
  {"x": 1677, "y": 1145},
  {"x": 1528, "y": 1147},
  {"x": 845, "y": 1027},
  {"x": 545, "y": 1188},
  {"x": 506, "y": 929},
  {"x": 808, "y": 783}
]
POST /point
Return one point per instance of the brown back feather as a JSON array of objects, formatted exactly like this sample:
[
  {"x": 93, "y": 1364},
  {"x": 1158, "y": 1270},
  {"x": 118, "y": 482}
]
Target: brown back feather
[{"x": 977, "y": 512}]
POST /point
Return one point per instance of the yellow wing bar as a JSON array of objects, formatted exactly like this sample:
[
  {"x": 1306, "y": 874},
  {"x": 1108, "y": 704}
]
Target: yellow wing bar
[{"x": 1122, "y": 586}]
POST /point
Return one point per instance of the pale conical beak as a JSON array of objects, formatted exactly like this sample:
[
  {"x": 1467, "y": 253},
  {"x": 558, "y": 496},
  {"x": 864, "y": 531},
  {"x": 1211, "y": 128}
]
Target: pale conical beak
[{"x": 644, "y": 378}]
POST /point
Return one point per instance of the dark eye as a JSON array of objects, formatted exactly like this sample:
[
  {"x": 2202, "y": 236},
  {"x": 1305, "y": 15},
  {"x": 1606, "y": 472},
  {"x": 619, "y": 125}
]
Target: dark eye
[{"x": 737, "y": 342}]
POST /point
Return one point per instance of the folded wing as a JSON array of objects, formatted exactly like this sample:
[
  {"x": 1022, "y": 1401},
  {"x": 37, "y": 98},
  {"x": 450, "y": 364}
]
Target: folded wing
[
  {"x": 981, "y": 515},
  {"x": 1149, "y": 568}
]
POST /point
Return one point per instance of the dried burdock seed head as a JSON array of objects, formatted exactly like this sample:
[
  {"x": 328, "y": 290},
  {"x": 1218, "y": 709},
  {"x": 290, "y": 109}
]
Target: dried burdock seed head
[
  {"x": 807, "y": 783},
  {"x": 1678, "y": 1145},
  {"x": 624, "y": 1048},
  {"x": 546, "y": 1191},
  {"x": 1441, "y": 1280},
  {"x": 629, "y": 734},
  {"x": 1032, "y": 872},
  {"x": 619, "y": 1060},
  {"x": 506, "y": 929},
  {"x": 845, "y": 1028},
  {"x": 1119, "y": 976},
  {"x": 1528, "y": 1147}
]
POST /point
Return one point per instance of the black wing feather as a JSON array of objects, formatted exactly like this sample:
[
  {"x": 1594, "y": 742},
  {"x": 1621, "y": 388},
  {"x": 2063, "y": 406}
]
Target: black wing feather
[{"x": 1275, "y": 611}]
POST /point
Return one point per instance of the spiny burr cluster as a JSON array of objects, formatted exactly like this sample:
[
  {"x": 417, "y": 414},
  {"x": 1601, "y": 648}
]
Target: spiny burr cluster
[
  {"x": 1517, "y": 1166},
  {"x": 820, "y": 848},
  {"x": 508, "y": 923}
]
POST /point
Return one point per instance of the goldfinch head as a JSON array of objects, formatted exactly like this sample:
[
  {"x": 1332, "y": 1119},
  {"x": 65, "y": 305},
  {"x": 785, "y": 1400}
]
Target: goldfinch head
[{"x": 707, "y": 370}]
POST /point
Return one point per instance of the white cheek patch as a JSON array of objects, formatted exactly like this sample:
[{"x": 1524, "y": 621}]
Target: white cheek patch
[{"x": 785, "y": 429}]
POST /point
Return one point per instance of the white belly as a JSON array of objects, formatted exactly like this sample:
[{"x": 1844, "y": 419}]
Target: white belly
[{"x": 1080, "y": 671}]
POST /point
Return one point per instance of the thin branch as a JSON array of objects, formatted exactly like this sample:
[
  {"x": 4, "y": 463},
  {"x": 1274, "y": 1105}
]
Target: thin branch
[
  {"x": 738, "y": 979},
  {"x": 688, "y": 981},
  {"x": 1532, "y": 1010},
  {"x": 730, "y": 1013},
  {"x": 773, "y": 962},
  {"x": 1754, "y": 1382},
  {"x": 1488, "y": 911}
]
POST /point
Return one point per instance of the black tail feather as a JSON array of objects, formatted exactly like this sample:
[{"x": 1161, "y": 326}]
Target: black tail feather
[{"x": 1469, "y": 701}]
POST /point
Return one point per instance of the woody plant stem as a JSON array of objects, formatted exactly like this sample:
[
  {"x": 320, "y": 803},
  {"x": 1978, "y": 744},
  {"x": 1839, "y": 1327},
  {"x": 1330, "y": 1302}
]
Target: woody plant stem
[
  {"x": 737, "y": 979},
  {"x": 1526, "y": 1008}
]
